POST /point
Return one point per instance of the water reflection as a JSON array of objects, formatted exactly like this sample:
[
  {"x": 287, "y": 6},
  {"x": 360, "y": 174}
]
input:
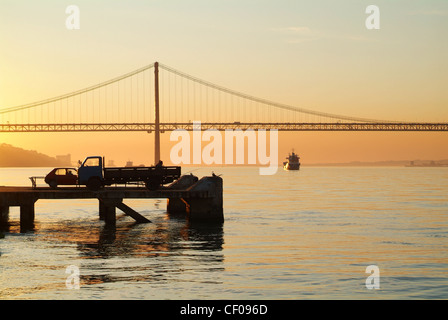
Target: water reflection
[
  {"x": 284, "y": 239},
  {"x": 167, "y": 250},
  {"x": 162, "y": 237}
]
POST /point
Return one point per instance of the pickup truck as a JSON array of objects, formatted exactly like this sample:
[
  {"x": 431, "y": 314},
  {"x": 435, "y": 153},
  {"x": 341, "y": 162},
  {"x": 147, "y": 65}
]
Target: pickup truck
[{"x": 94, "y": 175}]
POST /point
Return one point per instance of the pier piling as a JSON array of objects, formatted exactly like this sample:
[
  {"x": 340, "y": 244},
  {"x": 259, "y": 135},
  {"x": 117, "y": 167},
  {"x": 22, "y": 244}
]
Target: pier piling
[
  {"x": 27, "y": 215},
  {"x": 108, "y": 211},
  {"x": 4, "y": 216}
]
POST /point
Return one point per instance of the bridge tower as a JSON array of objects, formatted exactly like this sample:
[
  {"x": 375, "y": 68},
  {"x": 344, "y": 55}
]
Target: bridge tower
[{"x": 157, "y": 116}]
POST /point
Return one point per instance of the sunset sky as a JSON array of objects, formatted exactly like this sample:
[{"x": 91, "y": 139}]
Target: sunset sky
[{"x": 317, "y": 55}]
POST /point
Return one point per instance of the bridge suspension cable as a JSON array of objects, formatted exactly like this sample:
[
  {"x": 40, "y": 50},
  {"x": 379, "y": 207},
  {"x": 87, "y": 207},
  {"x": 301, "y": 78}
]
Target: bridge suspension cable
[
  {"x": 267, "y": 102},
  {"x": 127, "y": 102},
  {"x": 76, "y": 93}
]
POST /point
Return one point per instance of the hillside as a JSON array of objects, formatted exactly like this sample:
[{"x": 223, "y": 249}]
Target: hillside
[{"x": 11, "y": 156}]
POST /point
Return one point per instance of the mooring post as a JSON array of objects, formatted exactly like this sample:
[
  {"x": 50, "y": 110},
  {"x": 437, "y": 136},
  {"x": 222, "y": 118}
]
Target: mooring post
[
  {"x": 207, "y": 209},
  {"x": 178, "y": 206}
]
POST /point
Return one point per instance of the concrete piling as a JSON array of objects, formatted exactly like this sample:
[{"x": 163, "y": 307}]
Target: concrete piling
[
  {"x": 27, "y": 215},
  {"x": 205, "y": 203},
  {"x": 4, "y": 216},
  {"x": 209, "y": 209},
  {"x": 178, "y": 206},
  {"x": 108, "y": 212}
]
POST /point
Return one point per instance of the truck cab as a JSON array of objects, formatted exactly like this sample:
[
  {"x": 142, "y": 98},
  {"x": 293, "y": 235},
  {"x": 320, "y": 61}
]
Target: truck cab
[{"x": 90, "y": 173}]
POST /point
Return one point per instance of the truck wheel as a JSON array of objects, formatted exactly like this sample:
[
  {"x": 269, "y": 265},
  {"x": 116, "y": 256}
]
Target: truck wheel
[
  {"x": 94, "y": 184},
  {"x": 53, "y": 184}
]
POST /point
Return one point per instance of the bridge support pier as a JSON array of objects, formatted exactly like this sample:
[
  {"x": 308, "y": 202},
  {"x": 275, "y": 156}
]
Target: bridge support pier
[{"x": 156, "y": 115}]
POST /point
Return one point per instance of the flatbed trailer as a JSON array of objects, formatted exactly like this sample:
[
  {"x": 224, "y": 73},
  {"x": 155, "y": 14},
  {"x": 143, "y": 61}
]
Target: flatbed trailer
[{"x": 151, "y": 176}]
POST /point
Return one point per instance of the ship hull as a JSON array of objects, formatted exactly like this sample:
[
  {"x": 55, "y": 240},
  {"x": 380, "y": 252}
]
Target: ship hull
[{"x": 292, "y": 166}]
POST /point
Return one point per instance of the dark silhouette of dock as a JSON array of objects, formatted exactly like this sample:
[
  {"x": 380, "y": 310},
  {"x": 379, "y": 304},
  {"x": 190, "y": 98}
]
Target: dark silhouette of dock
[{"x": 196, "y": 199}]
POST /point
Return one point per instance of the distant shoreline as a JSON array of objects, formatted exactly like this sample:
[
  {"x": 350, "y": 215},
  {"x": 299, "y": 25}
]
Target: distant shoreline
[{"x": 13, "y": 157}]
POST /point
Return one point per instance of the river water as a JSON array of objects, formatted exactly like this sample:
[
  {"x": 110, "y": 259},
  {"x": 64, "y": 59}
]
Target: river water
[{"x": 308, "y": 234}]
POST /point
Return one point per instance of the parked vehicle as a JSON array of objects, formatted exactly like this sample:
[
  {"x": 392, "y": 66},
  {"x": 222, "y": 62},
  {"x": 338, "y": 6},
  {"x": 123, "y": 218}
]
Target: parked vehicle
[{"x": 62, "y": 176}]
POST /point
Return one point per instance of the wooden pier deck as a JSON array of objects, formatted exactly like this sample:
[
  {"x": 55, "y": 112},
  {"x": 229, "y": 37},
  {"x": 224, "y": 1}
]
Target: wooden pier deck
[
  {"x": 20, "y": 194},
  {"x": 198, "y": 199}
]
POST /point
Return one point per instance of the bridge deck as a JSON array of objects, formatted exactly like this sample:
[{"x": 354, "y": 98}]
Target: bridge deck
[{"x": 189, "y": 126}]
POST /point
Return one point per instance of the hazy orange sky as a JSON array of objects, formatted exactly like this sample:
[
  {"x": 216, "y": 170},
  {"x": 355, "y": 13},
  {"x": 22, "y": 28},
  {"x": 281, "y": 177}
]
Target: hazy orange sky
[{"x": 313, "y": 54}]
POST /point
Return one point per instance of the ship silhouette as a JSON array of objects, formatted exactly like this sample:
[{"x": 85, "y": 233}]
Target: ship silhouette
[{"x": 293, "y": 162}]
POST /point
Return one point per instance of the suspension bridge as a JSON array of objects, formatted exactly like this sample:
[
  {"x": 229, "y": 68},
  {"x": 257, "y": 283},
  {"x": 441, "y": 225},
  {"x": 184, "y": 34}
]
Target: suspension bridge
[{"x": 158, "y": 98}]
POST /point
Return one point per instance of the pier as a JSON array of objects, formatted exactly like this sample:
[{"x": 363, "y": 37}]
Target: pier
[{"x": 196, "y": 199}]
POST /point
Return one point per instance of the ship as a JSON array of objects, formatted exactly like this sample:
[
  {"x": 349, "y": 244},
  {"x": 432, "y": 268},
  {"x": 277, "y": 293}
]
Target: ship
[{"x": 293, "y": 162}]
